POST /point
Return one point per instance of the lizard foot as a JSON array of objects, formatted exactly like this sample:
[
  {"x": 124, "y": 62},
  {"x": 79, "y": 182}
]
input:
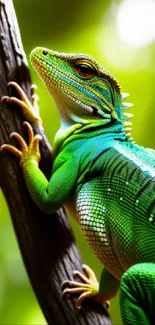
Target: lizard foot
[
  {"x": 89, "y": 288},
  {"x": 30, "y": 109},
  {"x": 27, "y": 152}
]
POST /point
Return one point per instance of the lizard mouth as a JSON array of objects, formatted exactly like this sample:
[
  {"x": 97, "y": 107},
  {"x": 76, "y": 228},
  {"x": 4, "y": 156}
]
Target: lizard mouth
[{"x": 88, "y": 109}]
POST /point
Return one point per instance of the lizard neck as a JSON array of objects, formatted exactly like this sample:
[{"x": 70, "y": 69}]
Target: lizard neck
[{"x": 68, "y": 133}]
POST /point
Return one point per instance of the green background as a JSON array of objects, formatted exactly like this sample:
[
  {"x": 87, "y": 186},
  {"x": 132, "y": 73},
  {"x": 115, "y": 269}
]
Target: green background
[{"x": 80, "y": 26}]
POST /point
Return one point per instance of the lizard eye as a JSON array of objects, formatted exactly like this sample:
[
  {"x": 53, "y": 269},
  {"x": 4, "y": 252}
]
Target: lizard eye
[
  {"x": 85, "y": 70},
  {"x": 45, "y": 52}
]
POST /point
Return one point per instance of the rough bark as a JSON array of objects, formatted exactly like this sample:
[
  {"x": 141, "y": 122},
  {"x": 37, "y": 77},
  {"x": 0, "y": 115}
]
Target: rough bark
[{"x": 46, "y": 242}]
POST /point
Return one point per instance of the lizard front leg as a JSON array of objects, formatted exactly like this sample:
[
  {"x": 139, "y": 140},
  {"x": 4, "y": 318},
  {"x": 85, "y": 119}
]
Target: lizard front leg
[{"x": 48, "y": 195}]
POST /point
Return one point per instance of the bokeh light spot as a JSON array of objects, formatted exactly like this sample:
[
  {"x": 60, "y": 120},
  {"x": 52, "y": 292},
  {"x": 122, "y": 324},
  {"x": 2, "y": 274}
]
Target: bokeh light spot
[{"x": 135, "y": 22}]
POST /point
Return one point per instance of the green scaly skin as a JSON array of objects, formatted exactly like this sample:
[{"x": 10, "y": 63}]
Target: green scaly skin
[{"x": 106, "y": 181}]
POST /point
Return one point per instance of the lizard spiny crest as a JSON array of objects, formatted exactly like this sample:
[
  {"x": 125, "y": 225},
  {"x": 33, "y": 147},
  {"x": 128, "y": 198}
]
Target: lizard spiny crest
[{"x": 127, "y": 116}]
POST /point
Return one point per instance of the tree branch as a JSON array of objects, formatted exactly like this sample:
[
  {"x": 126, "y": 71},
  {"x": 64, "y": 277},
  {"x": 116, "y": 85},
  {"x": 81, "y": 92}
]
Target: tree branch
[{"x": 46, "y": 242}]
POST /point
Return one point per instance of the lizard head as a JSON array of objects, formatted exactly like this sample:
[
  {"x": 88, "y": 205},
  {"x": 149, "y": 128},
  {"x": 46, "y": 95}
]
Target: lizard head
[{"x": 83, "y": 90}]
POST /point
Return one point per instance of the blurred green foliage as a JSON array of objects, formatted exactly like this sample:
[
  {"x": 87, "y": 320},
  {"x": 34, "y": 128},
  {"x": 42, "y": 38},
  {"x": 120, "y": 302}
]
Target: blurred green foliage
[{"x": 88, "y": 27}]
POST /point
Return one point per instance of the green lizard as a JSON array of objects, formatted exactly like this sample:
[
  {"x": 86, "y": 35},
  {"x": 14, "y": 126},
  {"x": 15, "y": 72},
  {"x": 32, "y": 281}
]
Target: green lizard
[{"x": 104, "y": 179}]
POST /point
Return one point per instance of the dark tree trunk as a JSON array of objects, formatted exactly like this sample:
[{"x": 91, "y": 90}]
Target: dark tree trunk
[{"x": 46, "y": 242}]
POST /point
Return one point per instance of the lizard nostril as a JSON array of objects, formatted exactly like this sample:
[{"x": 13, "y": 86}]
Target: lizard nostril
[{"x": 45, "y": 52}]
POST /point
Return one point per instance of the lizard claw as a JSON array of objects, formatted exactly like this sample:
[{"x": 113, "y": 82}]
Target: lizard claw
[
  {"x": 33, "y": 87},
  {"x": 35, "y": 100},
  {"x": 30, "y": 109},
  {"x": 27, "y": 152},
  {"x": 89, "y": 287}
]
